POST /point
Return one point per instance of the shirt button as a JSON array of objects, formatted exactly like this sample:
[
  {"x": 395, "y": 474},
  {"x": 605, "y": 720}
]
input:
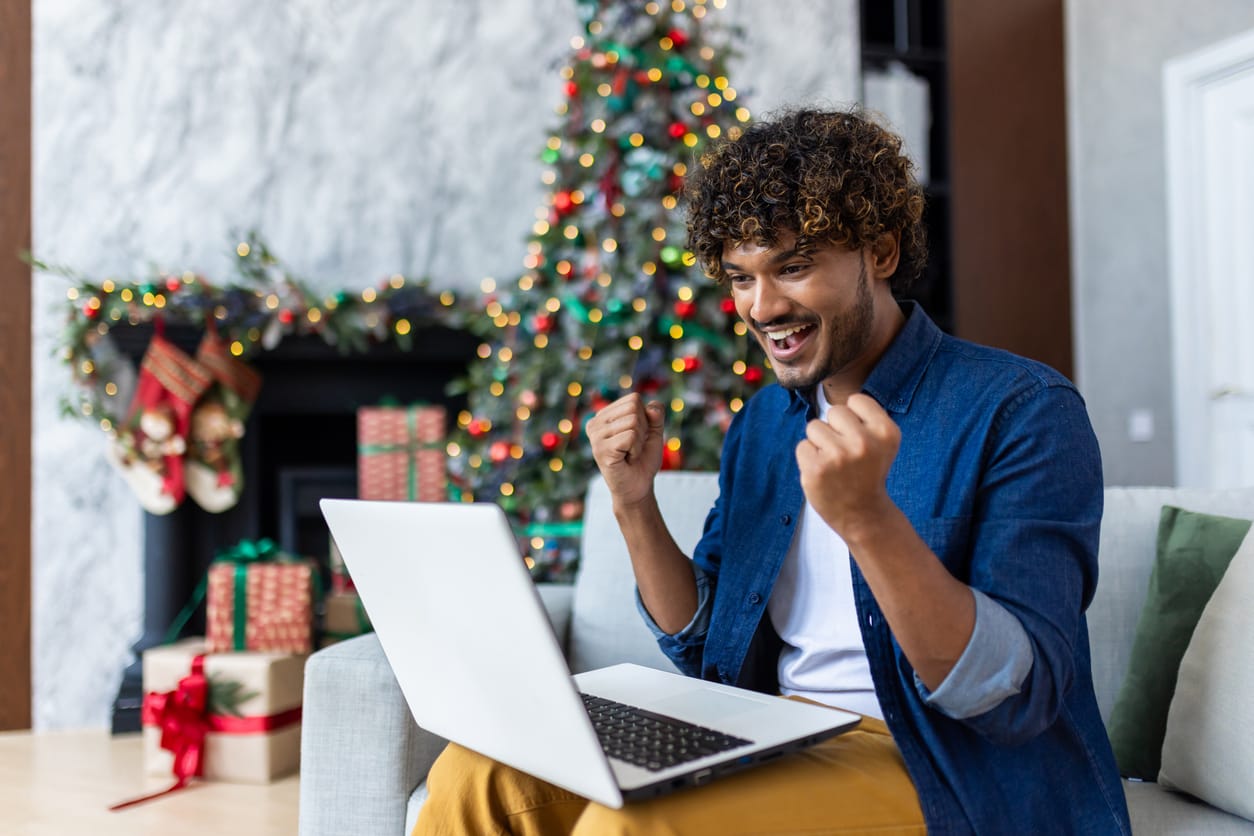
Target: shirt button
[
  {"x": 786, "y": 519},
  {"x": 755, "y": 598}
]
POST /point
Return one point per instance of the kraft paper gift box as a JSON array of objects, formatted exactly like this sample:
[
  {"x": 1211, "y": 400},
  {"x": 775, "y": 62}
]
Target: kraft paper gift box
[
  {"x": 264, "y": 605},
  {"x": 400, "y": 453},
  {"x": 253, "y": 713},
  {"x": 343, "y": 618},
  {"x": 340, "y": 579}
]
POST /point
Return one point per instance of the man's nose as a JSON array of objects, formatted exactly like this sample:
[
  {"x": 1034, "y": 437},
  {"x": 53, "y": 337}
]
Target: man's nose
[{"x": 768, "y": 302}]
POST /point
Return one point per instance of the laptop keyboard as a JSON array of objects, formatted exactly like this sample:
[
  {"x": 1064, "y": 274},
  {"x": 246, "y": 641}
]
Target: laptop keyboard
[{"x": 652, "y": 741}]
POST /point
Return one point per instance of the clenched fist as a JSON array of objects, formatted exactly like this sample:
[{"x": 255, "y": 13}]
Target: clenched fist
[
  {"x": 844, "y": 464},
  {"x": 626, "y": 439}
]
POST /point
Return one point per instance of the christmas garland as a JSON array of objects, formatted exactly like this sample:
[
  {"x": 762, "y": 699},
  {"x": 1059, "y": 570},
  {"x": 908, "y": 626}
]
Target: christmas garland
[{"x": 255, "y": 311}]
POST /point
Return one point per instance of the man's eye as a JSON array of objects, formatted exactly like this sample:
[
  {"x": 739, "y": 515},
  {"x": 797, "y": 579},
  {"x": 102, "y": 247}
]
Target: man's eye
[{"x": 739, "y": 279}]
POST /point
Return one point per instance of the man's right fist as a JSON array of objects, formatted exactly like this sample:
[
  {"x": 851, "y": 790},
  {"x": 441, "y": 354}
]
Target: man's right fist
[{"x": 626, "y": 439}]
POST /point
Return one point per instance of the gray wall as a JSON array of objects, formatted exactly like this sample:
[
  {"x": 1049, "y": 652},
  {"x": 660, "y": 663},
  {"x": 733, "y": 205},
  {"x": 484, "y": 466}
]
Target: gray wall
[
  {"x": 360, "y": 139},
  {"x": 1121, "y": 295}
]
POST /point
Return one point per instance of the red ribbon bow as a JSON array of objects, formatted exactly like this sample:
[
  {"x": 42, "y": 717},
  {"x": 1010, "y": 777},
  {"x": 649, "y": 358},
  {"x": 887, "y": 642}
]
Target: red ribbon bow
[{"x": 183, "y": 717}]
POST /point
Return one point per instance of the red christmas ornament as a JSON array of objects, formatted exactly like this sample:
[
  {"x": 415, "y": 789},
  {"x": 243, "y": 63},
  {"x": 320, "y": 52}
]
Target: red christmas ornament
[
  {"x": 498, "y": 452},
  {"x": 675, "y": 183},
  {"x": 562, "y": 202},
  {"x": 549, "y": 441},
  {"x": 642, "y": 77},
  {"x": 572, "y": 89},
  {"x": 542, "y": 323},
  {"x": 172, "y": 284},
  {"x": 685, "y": 309},
  {"x": 692, "y": 363},
  {"x": 90, "y": 312},
  {"x": 671, "y": 459},
  {"x": 753, "y": 374},
  {"x": 728, "y": 305},
  {"x": 477, "y": 428},
  {"x": 286, "y": 316},
  {"x": 599, "y": 403},
  {"x": 677, "y": 130},
  {"x": 678, "y": 37}
]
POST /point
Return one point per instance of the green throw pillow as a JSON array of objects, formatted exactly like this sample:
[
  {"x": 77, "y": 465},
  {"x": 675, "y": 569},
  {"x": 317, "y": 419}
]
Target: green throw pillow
[{"x": 1194, "y": 550}]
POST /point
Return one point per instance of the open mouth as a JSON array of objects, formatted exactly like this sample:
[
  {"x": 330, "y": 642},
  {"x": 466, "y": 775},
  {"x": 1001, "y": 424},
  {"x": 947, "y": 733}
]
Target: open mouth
[{"x": 784, "y": 343}]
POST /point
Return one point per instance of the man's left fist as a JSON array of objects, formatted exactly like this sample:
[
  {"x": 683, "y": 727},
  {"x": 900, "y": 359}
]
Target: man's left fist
[{"x": 845, "y": 461}]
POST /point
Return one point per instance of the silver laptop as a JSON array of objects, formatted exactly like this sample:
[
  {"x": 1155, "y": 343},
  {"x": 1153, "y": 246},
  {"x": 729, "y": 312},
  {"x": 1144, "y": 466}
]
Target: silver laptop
[{"x": 466, "y": 634}]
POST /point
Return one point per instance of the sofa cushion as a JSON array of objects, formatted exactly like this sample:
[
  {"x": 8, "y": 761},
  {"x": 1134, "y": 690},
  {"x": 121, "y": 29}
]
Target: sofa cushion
[
  {"x": 1126, "y": 556},
  {"x": 605, "y": 626},
  {"x": 1193, "y": 551},
  {"x": 1155, "y": 809},
  {"x": 1208, "y": 750}
]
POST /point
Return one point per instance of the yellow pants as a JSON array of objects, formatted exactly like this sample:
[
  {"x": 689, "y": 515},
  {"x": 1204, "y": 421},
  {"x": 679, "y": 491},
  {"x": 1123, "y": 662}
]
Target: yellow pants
[{"x": 853, "y": 783}]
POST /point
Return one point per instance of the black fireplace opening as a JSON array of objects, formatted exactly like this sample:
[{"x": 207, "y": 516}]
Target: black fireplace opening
[{"x": 299, "y": 446}]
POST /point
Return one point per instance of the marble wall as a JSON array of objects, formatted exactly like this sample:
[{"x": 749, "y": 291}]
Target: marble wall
[{"x": 360, "y": 139}]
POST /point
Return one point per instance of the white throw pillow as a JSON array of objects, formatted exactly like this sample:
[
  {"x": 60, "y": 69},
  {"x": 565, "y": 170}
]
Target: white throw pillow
[{"x": 1209, "y": 748}]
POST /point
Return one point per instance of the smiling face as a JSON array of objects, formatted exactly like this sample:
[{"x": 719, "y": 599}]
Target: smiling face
[{"x": 823, "y": 316}]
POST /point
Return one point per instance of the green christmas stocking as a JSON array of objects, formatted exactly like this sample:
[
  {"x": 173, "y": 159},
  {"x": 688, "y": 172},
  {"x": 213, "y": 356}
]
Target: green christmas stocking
[
  {"x": 215, "y": 477},
  {"x": 150, "y": 444}
]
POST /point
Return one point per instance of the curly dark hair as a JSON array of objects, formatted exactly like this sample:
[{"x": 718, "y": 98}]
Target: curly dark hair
[{"x": 828, "y": 177}]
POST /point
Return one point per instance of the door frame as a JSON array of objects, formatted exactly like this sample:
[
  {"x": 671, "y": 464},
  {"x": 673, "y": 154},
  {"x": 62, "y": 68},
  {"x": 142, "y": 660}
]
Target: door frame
[
  {"x": 1185, "y": 83},
  {"x": 15, "y": 365}
]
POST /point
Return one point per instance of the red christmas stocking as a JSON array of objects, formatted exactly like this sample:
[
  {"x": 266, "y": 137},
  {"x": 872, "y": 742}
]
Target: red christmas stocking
[
  {"x": 215, "y": 476},
  {"x": 150, "y": 444}
]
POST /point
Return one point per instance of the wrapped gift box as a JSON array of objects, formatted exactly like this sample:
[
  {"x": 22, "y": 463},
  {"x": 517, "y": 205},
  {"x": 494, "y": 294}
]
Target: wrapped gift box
[
  {"x": 253, "y": 714},
  {"x": 400, "y": 453},
  {"x": 272, "y": 600},
  {"x": 343, "y": 618}
]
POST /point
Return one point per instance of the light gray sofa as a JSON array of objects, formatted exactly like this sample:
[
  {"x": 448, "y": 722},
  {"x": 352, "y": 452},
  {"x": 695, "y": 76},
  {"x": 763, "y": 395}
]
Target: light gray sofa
[{"x": 364, "y": 761}]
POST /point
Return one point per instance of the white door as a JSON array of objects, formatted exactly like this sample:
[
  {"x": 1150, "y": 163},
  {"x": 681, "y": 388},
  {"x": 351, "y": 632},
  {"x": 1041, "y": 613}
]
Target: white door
[{"x": 1210, "y": 198}]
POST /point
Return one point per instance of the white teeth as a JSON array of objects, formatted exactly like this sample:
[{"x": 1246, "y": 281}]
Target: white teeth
[{"x": 779, "y": 336}]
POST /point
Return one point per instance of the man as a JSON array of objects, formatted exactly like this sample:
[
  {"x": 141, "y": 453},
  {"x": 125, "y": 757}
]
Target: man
[{"x": 907, "y": 527}]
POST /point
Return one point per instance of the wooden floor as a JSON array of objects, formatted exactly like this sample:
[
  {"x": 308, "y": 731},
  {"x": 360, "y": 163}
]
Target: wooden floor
[{"x": 62, "y": 783}]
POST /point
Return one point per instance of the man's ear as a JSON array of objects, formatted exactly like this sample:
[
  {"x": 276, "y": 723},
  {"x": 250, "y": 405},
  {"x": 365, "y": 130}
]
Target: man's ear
[{"x": 885, "y": 253}]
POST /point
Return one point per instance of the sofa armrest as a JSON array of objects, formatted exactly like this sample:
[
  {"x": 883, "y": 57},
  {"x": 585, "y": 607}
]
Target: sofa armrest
[
  {"x": 559, "y": 600},
  {"x": 361, "y": 754}
]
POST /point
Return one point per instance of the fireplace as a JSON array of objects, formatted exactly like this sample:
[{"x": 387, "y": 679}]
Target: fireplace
[{"x": 300, "y": 445}]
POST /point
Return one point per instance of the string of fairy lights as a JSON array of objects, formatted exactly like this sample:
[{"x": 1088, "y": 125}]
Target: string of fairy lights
[{"x": 253, "y": 312}]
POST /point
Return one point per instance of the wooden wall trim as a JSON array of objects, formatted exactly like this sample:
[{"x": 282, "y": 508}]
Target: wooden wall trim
[
  {"x": 1008, "y": 118},
  {"x": 15, "y": 369}
]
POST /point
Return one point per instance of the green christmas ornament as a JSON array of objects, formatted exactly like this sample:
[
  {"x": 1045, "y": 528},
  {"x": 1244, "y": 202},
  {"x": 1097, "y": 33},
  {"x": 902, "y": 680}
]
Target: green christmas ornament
[
  {"x": 634, "y": 182},
  {"x": 550, "y": 156},
  {"x": 671, "y": 255}
]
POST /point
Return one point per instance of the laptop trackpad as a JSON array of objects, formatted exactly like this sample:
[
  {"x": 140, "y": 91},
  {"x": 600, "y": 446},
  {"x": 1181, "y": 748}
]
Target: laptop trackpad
[{"x": 705, "y": 704}]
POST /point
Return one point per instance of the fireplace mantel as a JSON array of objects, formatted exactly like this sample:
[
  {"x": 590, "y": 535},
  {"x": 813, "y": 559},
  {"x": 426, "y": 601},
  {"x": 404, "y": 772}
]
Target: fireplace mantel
[{"x": 302, "y": 427}]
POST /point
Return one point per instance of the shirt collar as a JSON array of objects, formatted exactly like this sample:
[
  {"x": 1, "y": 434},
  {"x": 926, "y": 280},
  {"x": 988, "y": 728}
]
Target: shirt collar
[
  {"x": 897, "y": 375},
  {"x": 899, "y": 371}
]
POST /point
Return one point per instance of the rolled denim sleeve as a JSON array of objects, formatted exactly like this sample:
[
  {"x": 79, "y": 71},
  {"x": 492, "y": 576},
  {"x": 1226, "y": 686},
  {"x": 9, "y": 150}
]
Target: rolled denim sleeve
[
  {"x": 694, "y": 632},
  {"x": 996, "y": 661}
]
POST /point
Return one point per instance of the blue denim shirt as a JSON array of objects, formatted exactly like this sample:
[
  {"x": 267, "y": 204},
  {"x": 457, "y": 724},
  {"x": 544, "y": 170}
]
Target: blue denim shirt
[{"x": 1000, "y": 474}]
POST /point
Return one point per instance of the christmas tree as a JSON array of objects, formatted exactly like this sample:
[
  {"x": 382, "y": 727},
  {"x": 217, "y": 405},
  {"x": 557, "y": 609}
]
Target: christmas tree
[{"x": 610, "y": 301}]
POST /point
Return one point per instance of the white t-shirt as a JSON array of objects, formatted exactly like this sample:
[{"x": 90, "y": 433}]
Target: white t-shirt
[{"x": 813, "y": 611}]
